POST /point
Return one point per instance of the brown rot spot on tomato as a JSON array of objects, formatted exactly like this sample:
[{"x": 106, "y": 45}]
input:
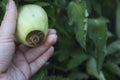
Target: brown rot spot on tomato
[{"x": 34, "y": 38}]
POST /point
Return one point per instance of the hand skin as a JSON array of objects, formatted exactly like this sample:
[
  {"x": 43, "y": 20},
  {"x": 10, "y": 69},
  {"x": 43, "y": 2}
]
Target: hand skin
[{"x": 21, "y": 62}]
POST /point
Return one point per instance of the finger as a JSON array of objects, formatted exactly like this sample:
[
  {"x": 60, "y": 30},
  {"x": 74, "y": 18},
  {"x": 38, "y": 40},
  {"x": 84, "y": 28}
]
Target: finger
[
  {"x": 8, "y": 24},
  {"x": 39, "y": 62},
  {"x": 23, "y": 48},
  {"x": 7, "y": 46},
  {"x": 34, "y": 53},
  {"x": 51, "y": 31}
]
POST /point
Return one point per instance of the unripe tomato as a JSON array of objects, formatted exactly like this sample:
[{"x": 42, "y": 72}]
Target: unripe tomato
[{"x": 32, "y": 25}]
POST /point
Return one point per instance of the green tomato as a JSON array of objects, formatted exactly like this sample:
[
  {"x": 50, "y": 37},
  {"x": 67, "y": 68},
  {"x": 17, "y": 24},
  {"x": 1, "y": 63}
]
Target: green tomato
[{"x": 32, "y": 25}]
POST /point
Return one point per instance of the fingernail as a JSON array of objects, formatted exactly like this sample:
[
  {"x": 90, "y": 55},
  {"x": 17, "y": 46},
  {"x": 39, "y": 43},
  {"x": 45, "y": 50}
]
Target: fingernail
[
  {"x": 52, "y": 48},
  {"x": 53, "y": 36},
  {"x": 54, "y": 30}
]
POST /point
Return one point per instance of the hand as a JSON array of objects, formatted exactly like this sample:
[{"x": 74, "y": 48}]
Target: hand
[{"x": 20, "y": 62}]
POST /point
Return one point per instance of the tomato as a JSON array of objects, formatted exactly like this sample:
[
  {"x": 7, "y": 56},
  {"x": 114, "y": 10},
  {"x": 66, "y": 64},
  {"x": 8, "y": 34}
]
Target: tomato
[{"x": 32, "y": 25}]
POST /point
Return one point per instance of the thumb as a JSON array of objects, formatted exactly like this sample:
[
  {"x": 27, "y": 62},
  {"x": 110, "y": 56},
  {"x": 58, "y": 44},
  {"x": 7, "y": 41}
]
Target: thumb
[
  {"x": 7, "y": 30},
  {"x": 8, "y": 24}
]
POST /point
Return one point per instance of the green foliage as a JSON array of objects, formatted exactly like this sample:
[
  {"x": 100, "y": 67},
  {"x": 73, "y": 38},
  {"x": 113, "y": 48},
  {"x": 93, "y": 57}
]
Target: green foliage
[
  {"x": 112, "y": 68},
  {"x": 97, "y": 31},
  {"x": 78, "y": 75},
  {"x": 117, "y": 19},
  {"x": 92, "y": 69},
  {"x": 2, "y": 8},
  {"x": 40, "y": 75},
  {"x": 77, "y": 12},
  {"x": 76, "y": 60},
  {"x": 88, "y": 43}
]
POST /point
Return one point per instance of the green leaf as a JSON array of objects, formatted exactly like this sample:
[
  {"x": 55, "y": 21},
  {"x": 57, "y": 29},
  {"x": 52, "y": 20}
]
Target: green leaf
[
  {"x": 2, "y": 8},
  {"x": 115, "y": 58},
  {"x": 60, "y": 3},
  {"x": 77, "y": 60},
  {"x": 97, "y": 31},
  {"x": 40, "y": 75},
  {"x": 66, "y": 43},
  {"x": 92, "y": 69},
  {"x": 89, "y": 6},
  {"x": 57, "y": 78},
  {"x": 112, "y": 68},
  {"x": 63, "y": 55},
  {"x": 3, "y": 4},
  {"x": 113, "y": 47},
  {"x": 101, "y": 76},
  {"x": 51, "y": 12},
  {"x": 43, "y": 4},
  {"x": 118, "y": 19},
  {"x": 77, "y": 75},
  {"x": 96, "y": 6},
  {"x": 109, "y": 76},
  {"x": 78, "y": 15}
]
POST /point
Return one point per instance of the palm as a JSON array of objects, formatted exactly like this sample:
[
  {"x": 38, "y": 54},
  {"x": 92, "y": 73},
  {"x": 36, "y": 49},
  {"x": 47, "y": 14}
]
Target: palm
[
  {"x": 19, "y": 69},
  {"x": 26, "y": 61}
]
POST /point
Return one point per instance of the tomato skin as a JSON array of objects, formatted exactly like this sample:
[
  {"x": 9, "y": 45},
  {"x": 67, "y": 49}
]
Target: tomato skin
[{"x": 31, "y": 18}]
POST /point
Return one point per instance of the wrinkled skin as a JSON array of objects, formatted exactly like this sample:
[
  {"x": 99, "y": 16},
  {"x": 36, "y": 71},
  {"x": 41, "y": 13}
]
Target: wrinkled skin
[{"x": 18, "y": 62}]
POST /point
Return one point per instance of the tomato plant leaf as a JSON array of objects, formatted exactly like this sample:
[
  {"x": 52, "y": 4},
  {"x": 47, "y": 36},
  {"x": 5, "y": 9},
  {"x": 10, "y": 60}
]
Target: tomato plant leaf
[
  {"x": 43, "y": 4},
  {"x": 113, "y": 47},
  {"x": 63, "y": 55},
  {"x": 118, "y": 19},
  {"x": 112, "y": 68},
  {"x": 96, "y": 6},
  {"x": 76, "y": 60},
  {"x": 57, "y": 78},
  {"x": 60, "y": 3},
  {"x": 78, "y": 15},
  {"x": 2, "y": 9},
  {"x": 97, "y": 31},
  {"x": 40, "y": 75},
  {"x": 92, "y": 69},
  {"x": 77, "y": 75}
]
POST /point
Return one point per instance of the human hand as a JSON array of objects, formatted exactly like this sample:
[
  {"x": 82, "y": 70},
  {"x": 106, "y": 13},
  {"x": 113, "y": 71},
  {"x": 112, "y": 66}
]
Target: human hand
[{"x": 20, "y": 62}]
